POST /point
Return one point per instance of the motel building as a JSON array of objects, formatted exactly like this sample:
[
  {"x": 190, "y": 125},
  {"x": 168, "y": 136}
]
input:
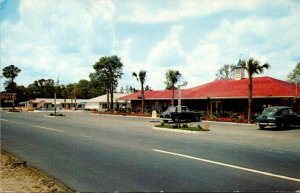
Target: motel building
[
  {"x": 49, "y": 103},
  {"x": 224, "y": 96},
  {"x": 100, "y": 103}
]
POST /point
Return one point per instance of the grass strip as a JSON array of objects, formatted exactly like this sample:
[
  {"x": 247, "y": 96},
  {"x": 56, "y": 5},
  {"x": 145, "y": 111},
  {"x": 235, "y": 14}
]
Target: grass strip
[{"x": 186, "y": 128}]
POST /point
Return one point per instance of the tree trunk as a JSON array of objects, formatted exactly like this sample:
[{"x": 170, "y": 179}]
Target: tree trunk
[
  {"x": 250, "y": 89},
  {"x": 143, "y": 98},
  {"x": 111, "y": 99},
  {"x": 107, "y": 100}
]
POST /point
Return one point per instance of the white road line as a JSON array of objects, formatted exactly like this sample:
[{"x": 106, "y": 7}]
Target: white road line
[
  {"x": 230, "y": 166},
  {"x": 35, "y": 126},
  {"x": 48, "y": 128},
  {"x": 87, "y": 136}
]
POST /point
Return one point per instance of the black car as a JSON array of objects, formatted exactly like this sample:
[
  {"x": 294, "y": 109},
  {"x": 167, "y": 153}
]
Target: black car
[
  {"x": 172, "y": 113},
  {"x": 280, "y": 116}
]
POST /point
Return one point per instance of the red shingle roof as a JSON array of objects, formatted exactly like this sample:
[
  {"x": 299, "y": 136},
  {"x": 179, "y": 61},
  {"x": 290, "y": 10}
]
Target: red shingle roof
[{"x": 262, "y": 87}]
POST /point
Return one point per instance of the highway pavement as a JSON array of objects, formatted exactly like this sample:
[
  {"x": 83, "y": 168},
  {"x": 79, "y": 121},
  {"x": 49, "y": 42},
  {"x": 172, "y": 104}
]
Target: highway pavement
[{"x": 117, "y": 153}]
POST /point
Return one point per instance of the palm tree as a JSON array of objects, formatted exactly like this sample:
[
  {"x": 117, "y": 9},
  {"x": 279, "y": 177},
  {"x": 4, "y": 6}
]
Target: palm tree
[
  {"x": 141, "y": 77},
  {"x": 252, "y": 67},
  {"x": 64, "y": 93},
  {"x": 172, "y": 77}
]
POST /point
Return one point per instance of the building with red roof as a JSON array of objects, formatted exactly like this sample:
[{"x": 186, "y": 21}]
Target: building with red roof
[{"x": 225, "y": 95}]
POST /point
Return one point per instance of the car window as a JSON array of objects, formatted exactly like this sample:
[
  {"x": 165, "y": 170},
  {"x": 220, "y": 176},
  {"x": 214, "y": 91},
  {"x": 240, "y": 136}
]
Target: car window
[
  {"x": 291, "y": 112},
  {"x": 171, "y": 109},
  {"x": 285, "y": 112},
  {"x": 269, "y": 112}
]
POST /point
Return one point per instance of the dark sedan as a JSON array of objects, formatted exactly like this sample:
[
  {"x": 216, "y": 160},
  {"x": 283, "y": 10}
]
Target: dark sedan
[
  {"x": 280, "y": 116},
  {"x": 172, "y": 113}
]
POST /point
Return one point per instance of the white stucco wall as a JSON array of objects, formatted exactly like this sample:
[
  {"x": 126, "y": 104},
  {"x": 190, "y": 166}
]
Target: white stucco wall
[{"x": 92, "y": 105}]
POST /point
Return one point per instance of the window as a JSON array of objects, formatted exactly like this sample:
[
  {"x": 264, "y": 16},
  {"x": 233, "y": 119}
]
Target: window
[
  {"x": 184, "y": 109},
  {"x": 104, "y": 105},
  {"x": 285, "y": 112},
  {"x": 171, "y": 109}
]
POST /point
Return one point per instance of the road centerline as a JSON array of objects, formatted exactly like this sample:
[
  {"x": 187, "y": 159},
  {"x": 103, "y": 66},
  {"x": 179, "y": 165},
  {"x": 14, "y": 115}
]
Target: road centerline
[
  {"x": 47, "y": 128},
  {"x": 230, "y": 165}
]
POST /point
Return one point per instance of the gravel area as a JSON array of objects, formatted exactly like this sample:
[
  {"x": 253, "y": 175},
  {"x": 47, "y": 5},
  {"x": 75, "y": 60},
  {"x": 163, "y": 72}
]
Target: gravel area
[{"x": 17, "y": 176}]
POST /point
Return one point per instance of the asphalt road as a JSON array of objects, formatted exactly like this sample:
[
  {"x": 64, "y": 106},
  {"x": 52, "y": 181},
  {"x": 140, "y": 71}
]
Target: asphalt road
[{"x": 110, "y": 153}]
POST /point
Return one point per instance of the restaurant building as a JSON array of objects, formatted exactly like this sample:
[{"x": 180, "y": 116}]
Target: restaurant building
[{"x": 223, "y": 96}]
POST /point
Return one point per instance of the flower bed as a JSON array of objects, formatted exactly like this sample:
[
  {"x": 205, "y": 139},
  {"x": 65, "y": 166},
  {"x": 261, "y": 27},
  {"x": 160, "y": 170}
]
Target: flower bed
[{"x": 229, "y": 117}]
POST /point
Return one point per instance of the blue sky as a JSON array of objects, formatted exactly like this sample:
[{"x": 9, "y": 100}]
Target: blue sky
[{"x": 62, "y": 39}]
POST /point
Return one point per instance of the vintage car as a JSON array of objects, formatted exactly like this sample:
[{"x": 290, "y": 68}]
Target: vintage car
[
  {"x": 173, "y": 114},
  {"x": 280, "y": 116}
]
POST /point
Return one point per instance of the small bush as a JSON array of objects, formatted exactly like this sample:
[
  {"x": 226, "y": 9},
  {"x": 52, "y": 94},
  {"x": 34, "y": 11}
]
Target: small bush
[{"x": 59, "y": 115}]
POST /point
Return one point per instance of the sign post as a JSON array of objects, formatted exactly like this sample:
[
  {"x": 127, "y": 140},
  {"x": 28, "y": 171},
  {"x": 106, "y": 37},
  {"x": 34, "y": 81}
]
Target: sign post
[
  {"x": 54, "y": 103},
  {"x": 179, "y": 98}
]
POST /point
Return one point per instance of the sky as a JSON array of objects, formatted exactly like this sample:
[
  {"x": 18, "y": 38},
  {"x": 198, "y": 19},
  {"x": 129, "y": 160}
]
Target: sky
[{"x": 63, "y": 39}]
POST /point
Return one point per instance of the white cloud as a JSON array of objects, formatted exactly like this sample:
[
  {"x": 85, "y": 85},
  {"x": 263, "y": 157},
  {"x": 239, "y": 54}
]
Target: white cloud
[
  {"x": 167, "y": 51},
  {"x": 176, "y": 10},
  {"x": 65, "y": 39}
]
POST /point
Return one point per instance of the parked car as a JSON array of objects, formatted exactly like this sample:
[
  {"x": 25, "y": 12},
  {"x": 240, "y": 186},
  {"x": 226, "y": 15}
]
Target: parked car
[
  {"x": 173, "y": 114},
  {"x": 280, "y": 116}
]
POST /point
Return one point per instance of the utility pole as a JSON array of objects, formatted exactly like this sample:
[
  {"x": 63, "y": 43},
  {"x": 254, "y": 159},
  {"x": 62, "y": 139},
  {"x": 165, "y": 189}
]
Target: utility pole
[
  {"x": 55, "y": 103},
  {"x": 179, "y": 98}
]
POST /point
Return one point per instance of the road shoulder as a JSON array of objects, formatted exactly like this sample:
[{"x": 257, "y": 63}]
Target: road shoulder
[{"x": 17, "y": 176}]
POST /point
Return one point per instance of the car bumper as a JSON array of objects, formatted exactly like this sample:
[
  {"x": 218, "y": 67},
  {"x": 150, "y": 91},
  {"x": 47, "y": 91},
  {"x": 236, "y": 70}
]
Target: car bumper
[{"x": 265, "y": 124}]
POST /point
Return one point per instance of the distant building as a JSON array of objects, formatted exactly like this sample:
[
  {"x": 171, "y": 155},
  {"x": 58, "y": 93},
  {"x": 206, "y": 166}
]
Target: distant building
[
  {"x": 100, "y": 103},
  {"x": 48, "y": 103}
]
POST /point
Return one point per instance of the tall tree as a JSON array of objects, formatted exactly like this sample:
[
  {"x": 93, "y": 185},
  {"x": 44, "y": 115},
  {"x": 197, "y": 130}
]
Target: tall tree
[
  {"x": 141, "y": 77},
  {"x": 295, "y": 75},
  {"x": 252, "y": 67},
  {"x": 10, "y": 72},
  {"x": 84, "y": 88},
  {"x": 225, "y": 72},
  {"x": 42, "y": 88},
  {"x": 172, "y": 77},
  {"x": 108, "y": 70},
  {"x": 64, "y": 94}
]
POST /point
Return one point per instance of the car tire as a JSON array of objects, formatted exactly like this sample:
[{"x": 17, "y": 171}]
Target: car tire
[
  {"x": 282, "y": 125},
  {"x": 261, "y": 126},
  {"x": 175, "y": 120}
]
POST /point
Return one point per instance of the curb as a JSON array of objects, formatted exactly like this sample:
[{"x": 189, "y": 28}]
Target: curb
[
  {"x": 125, "y": 116},
  {"x": 159, "y": 119},
  {"x": 230, "y": 123},
  {"x": 49, "y": 116},
  {"x": 181, "y": 131}
]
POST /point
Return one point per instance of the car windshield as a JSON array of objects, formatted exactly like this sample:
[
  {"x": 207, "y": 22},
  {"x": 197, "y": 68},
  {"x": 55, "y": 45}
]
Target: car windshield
[
  {"x": 184, "y": 109},
  {"x": 268, "y": 112},
  {"x": 171, "y": 109}
]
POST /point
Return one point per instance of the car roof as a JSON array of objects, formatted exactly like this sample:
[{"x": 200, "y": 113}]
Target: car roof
[{"x": 278, "y": 107}]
